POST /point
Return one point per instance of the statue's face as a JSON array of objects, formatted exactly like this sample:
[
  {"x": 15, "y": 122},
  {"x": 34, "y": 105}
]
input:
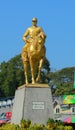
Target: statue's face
[{"x": 34, "y": 23}]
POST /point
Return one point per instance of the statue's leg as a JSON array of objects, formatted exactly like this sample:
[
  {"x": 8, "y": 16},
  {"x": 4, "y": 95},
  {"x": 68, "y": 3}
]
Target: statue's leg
[
  {"x": 25, "y": 63},
  {"x": 24, "y": 54},
  {"x": 32, "y": 66},
  {"x": 39, "y": 71},
  {"x": 26, "y": 72}
]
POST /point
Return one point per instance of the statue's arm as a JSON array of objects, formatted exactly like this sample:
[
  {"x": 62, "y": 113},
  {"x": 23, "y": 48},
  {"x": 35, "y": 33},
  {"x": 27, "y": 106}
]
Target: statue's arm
[
  {"x": 24, "y": 38},
  {"x": 41, "y": 30}
]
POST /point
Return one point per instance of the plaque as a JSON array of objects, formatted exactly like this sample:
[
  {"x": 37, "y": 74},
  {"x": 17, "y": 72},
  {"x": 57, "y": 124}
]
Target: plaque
[{"x": 38, "y": 105}]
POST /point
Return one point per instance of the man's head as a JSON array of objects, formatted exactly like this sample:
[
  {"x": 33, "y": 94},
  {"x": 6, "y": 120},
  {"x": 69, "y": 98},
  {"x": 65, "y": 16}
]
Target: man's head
[{"x": 34, "y": 21}]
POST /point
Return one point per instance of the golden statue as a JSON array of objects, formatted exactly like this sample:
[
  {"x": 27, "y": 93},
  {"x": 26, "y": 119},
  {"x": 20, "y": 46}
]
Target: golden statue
[{"x": 33, "y": 52}]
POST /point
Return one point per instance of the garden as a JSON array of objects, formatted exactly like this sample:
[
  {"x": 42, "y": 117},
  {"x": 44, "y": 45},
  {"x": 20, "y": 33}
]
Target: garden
[{"x": 28, "y": 125}]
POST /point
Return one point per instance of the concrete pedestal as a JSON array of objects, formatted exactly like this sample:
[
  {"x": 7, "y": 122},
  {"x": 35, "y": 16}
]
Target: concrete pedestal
[{"x": 33, "y": 102}]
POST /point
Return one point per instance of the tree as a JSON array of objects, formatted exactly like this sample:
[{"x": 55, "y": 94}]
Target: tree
[{"x": 63, "y": 80}]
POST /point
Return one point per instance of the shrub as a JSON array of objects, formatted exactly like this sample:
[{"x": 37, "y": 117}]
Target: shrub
[
  {"x": 50, "y": 121},
  {"x": 25, "y": 123},
  {"x": 37, "y": 127},
  {"x": 68, "y": 128},
  {"x": 60, "y": 127}
]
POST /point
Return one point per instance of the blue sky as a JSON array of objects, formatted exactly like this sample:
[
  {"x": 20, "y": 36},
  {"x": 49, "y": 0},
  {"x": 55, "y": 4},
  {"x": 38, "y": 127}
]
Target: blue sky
[{"x": 56, "y": 17}]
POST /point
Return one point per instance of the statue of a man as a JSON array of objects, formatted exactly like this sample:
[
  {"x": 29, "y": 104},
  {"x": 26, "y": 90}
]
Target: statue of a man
[{"x": 30, "y": 34}]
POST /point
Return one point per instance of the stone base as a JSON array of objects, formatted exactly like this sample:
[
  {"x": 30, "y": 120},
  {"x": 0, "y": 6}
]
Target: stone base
[{"x": 33, "y": 102}]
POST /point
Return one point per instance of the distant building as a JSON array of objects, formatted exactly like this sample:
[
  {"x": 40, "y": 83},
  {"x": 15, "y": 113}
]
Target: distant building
[{"x": 62, "y": 110}]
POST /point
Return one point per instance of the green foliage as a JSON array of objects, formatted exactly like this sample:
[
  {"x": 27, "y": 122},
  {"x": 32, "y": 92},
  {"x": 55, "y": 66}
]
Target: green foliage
[
  {"x": 11, "y": 76},
  {"x": 63, "y": 80},
  {"x": 59, "y": 122},
  {"x": 68, "y": 128},
  {"x": 10, "y": 127},
  {"x": 50, "y": 121},
  {"x": 51, "y": 124},
  {"x": 46, "y": 65},
  {"x": 27, "y": 125},
  {"x": 60, "y": 127},
  {"x": 36, "y": 127}
]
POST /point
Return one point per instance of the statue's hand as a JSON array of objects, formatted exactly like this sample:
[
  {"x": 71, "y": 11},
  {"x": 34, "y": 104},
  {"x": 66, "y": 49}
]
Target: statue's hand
[{"x": 26, "y": 41}]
